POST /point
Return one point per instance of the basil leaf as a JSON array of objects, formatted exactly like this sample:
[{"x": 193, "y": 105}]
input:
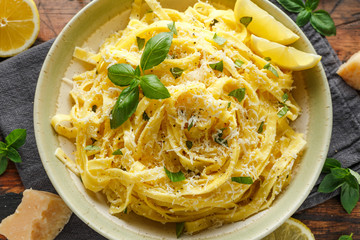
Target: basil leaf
[
  {"x": 117, "y": 152},
  {"x": 3, "y": 149},
  {"x": 292, "y": 5},
  {"x": 176, "y": 72},
  {"x": 219, "y": 40},
  {"x": 137, "y": 71},
  {"x": 217, "y": 66},
  {"x": 303, "y": 18},
  {"x": 330, "y": 184},
  {"x": 283, "y": 111},
  {"x": 239, "y": 94},
  {"x": 246, "y": 20},
  {"x": 346, "y": 237},
  {"x": 121, "y": 74},
  {"x": 175, "y": 177},
  {"x": 172, "y": 28},
  {"x": 179, "y": 229},
  {"x": 261, "y": 127},
  {"x": 339, "y": 172},
  {"x": 238, "y": 63},
  {"x": 229, "y": 105},
  {"x": 153, "y": 88},
  {"x": 192, "y": 122},
  {"x": 145, "y": 116},
  {"x": 140, "y": 42},
  {"x": 311, "y": 5},
  {"x": 285, "y": 97},
  {"x": 218, "y": 138},
  {"x": 125, "y": 210},
  {"x": 13, "y": 155},
  {"x": 267, "y": 58},
  {"x": 329, "y": 164},
  {"x": 156, "y": 50},
  {"x": 3, "y": 164},
  {"x": 323, "y": 23},
  {"x": 355, "y": 174},
  {"x": 189, "y": 144},
  {"x": 125, "y": 106},
  {"x": 271, "y": 69},
  {"x": 92, "y": 148},
  {"x": 243, "y": 180},
  {"x": 16, "y": 138},
  {"x": 349, "y": 196}
]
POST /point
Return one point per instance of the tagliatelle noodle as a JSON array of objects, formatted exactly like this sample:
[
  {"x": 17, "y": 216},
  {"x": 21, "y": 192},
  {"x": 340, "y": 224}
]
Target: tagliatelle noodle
[{"x": 136, "y": 181}]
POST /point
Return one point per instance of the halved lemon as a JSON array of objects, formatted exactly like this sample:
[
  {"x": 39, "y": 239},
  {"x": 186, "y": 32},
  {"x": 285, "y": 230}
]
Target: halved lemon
[
  {"x": 292, "y": 229},
  {"x": 285, "y": 57},
  {"x": 262, "y": 23},
  {"x": 19, "y": 26}
]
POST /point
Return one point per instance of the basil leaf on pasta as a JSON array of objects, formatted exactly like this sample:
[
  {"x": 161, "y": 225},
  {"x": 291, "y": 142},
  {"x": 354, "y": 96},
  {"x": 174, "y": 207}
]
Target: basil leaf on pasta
[
  {"x": 189, "y": 144},
  {"x": 217, "y": 66},
  {"x": 140, "y": 42},
  {"x": 285, "y": 97},
  {"x": 175, "y": 177},
  {"x": 153, "y": 87},
  {"x": 117, "y": 152},
  {"x": 219, "y": 40},
  {"x": 246, "y": 21},
  {"x": 176, "y": 72},
  {"x": 283, "y": 111},
  {"x": 243, "y": 180},
  {"x": 239, "y": 94},
  {"x": 92, "y": 148},
  {"x": 238, "y": 63},
  {"x": 172, "y": 27},
  {"x": 121, "y": 74},
  {"x": 156, "y": 50},
  {"x": 271, "y": 69},
  {"x": 125, "y": 105},
  {"x": 180, "y": 227},
  {"x": 261, "y": 127}
]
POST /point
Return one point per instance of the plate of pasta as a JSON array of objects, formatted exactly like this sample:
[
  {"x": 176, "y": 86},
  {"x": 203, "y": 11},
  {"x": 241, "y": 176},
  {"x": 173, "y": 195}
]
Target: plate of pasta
[{"x": 167, "y": 119}]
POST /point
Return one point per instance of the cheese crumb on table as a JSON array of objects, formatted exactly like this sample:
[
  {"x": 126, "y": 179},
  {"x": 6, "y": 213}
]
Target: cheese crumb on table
[
  {"x": 350, "y": 71},
  {"x": 40, "y": 215}
]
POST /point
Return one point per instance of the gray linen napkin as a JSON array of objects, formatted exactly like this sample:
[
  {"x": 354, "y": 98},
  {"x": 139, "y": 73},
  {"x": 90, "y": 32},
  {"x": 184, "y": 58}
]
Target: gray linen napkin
[{"x": 18, "y": 78}]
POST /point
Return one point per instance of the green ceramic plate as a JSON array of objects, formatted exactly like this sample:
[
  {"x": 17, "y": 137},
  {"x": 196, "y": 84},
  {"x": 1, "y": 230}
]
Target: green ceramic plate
[{"x": 94, "y": 23}]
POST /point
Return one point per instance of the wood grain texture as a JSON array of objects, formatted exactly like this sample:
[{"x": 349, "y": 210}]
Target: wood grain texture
[{"x": 328, "y": 221}]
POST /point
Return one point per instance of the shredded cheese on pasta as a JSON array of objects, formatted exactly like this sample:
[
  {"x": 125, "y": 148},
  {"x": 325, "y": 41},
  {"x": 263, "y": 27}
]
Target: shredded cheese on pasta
[{"x": 136, "y": 181}]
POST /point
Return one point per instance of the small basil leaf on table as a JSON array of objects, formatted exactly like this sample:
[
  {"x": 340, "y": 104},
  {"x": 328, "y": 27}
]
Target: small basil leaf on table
[
  {"x": 121, "y": 74},
  {"x": 339, "y": 172},
  {"x": 303, "y": 18},
  {"x": 356, "y": 175},
  {"x": 125, "y": 105},
  {"x": 349, "y": 196},
  {"x": 323, "y": 23},
  {"x": 175, "y": 177},
  {"x": 156, "y": 50},
  {"x": 16, "y": 138},
  {"x": 330, "y": 183},
  {"x": 13, "y": 155},
  {"x": 311, "y": 5},
  {"x": 3, "y": 164},
  {"x": 346, "y": 237},
  {"x": 153, "y": 88},
  {"x": 294, "y": 6},
  {"x": 330, "y": 163},
  {"x": 217, "y": 66}
]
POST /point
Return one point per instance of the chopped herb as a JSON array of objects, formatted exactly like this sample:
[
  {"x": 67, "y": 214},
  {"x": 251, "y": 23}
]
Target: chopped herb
[
  {"x": 285, "y": 97},
  {"x": 179, "y": 229},
  {"x": 239, "y": 94},
  {"x": 117, "y": 152},
  {"x": 192, "y": 121},
  {"x": 92, "y": 148},
  {"x": 238, "y": 63},
  {"x": 176, "y": 72},
  {"x": 246, "y": 20},
  {"x": 346, "y": 237},
  {"x": 140, "y": 42},
  {"x": 145, "y": 116},
  {"x": 217, "y": 66},
  {"x": 213, "y": 22},
  {"x": 243, "y": 180},
  {"x": 260, "y": 129},
  {"x": 218, "y": 138},
  {"x": 267, "y": 58},
  {"x": 149, "y": 11},
  {"x": 219, "y": 40},
  {"x": 93, "y": 108},
  {"x": 175, "y": 177},
  {"x": 229, "y": 104},
  {"x": 271, "y": 69},
  {"x": 125, "y": 210},
  {"x": 283, "y": 111},
  {"x": 189, "y": 144},
  {"x": 172, "y": 28}
]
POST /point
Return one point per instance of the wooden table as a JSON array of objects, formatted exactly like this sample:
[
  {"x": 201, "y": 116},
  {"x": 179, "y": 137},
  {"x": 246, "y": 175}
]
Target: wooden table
[{"x": 328, "y": 220}]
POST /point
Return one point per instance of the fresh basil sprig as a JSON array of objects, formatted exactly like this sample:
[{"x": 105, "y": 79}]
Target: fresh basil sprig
[
  {"x": 8, "y": 149},
  {"x": 344, "y": 178},
  {"x": 320, "y": 20},
  {"x": 155, "y": 52}
]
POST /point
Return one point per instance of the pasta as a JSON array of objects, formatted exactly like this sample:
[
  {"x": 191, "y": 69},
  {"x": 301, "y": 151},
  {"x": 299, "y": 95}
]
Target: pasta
[{"x": 225, "y": 128}]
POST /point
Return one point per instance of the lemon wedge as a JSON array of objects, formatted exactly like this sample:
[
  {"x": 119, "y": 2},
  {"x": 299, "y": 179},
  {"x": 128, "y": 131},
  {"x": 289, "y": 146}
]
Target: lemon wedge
[
  {"x": 292, "y": 229},
  {"x": 19, "y": 26},
  {"x": 263, "y": 24},
  {"x": 285, "y": 57}
]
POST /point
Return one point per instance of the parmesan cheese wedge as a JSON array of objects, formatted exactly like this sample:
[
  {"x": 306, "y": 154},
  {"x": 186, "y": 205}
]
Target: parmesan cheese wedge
[
  {"x": 350, "y": 71},
  {"x": 40, "y": 215}
]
